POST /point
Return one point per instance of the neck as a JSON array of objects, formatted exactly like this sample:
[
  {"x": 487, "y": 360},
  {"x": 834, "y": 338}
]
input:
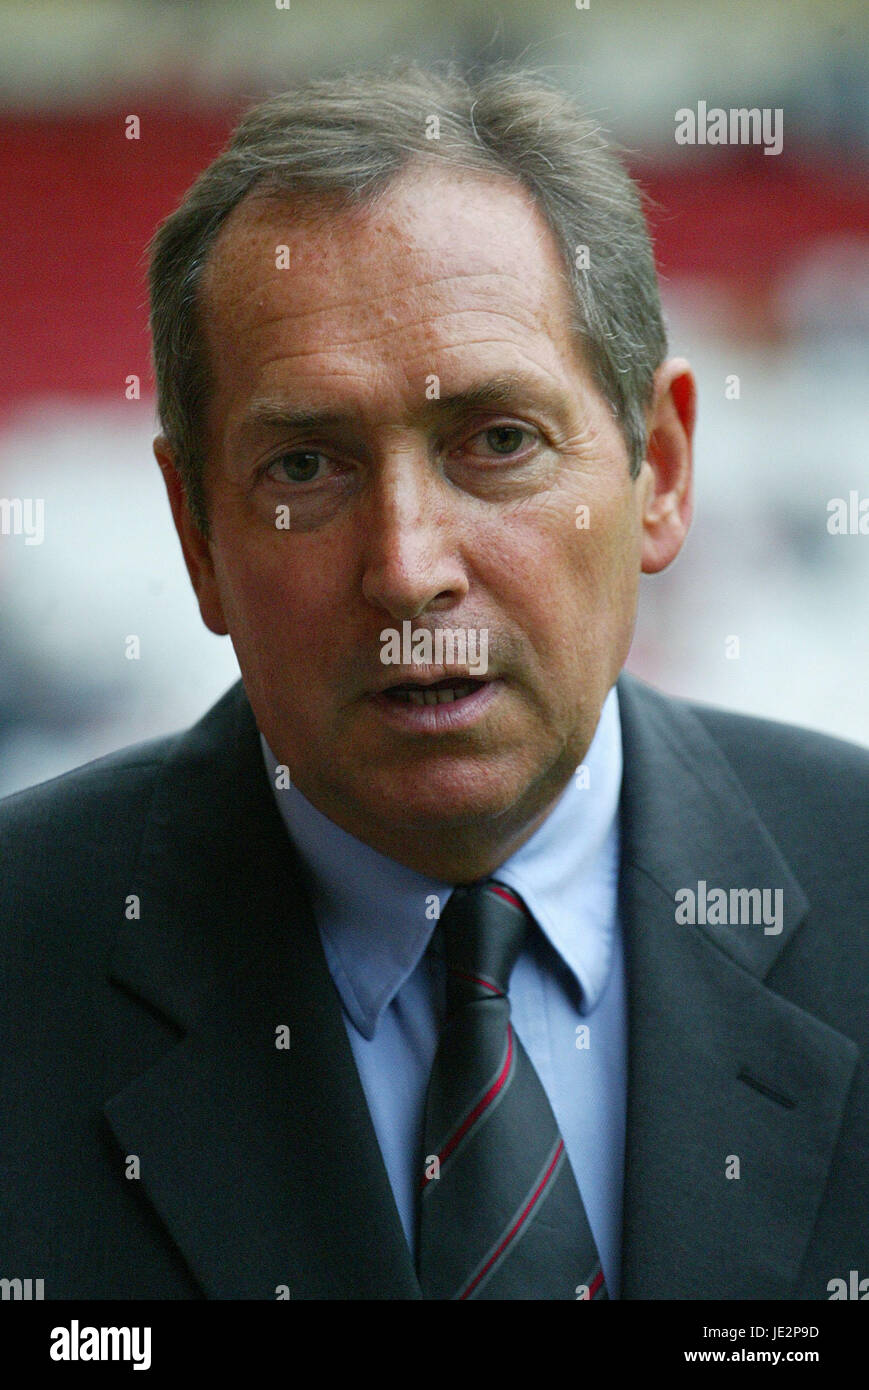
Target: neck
[
  {"x": 457, "y": 856},
  {"x": 462, "y": 850}
]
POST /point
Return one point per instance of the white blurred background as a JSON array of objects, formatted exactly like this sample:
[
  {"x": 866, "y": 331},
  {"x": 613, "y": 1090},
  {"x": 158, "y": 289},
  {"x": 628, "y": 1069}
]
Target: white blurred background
[{"x": 765, "y": 274}]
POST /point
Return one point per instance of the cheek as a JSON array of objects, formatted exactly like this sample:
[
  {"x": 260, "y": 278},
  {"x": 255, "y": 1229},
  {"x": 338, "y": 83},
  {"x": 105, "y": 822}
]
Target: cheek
[
  {"x": 276, "y": 608},
  {"x": 578, "y": 552},
  {"x": 573, "y": 589}
]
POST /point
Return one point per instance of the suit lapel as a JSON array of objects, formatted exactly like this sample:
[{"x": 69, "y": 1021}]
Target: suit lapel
[
  {"x": 724, "y": 1073},
  {"x": 261, "y": 1161}
]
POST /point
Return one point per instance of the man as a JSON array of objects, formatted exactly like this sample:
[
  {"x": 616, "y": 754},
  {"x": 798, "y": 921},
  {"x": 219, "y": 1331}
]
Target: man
[{"x": 440, "y": 959}]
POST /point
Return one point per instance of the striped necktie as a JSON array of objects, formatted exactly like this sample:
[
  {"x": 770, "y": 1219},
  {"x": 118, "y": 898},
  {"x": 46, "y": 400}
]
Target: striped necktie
[{"x": 500, "y": 1214}]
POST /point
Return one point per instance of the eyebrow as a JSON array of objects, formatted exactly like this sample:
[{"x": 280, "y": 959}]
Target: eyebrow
[{"x": 499, "y": 391}]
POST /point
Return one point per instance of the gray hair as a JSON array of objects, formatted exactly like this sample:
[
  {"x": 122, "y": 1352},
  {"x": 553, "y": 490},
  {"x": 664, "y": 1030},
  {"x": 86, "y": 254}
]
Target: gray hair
[{"x": 350, "y": 136}]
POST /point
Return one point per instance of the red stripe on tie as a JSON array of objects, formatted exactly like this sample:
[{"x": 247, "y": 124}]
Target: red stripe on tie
[
  {"x": 477, "y": 980},
  {"x": 507, "y": 895},
  {"x": 595, "y": 1284},
  {"x": 523, "y": 1217},
  {"x": 477, "y": 1110}
]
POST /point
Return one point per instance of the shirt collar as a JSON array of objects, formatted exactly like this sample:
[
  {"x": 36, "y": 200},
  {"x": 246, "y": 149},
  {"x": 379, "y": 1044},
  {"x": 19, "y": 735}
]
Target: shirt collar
[{"x": 376, "y": 916}]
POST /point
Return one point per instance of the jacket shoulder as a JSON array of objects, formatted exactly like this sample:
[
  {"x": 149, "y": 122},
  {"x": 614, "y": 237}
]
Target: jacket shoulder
[
  {"x": 68, "y": 849},
  {"x": 779, "y": 760},
  {"x": 811, "y": 790},
  {"x": 114, "y": 791},
  {"x": 88, "y": 798},
  {"x": 761, "y": 749}
]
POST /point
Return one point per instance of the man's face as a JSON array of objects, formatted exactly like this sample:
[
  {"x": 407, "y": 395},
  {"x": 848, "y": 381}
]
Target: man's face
[{"x": 406, "y": 503}]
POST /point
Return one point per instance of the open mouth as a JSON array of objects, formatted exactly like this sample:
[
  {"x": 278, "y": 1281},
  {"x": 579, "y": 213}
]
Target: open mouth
[{"x": 445, "y": 692}]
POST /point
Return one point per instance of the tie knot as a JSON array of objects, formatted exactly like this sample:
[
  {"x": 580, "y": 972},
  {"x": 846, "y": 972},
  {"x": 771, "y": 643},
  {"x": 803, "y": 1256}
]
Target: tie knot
[{"x": 483, "y": 928}]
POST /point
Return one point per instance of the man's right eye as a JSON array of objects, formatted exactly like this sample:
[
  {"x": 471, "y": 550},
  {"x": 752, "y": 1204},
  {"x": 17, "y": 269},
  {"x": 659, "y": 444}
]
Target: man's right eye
[{"x": 299, "y": 467}]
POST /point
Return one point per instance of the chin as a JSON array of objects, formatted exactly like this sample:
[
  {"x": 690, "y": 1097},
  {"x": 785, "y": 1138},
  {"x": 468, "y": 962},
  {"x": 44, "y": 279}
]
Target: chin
[{"x": 440, "y": 802}]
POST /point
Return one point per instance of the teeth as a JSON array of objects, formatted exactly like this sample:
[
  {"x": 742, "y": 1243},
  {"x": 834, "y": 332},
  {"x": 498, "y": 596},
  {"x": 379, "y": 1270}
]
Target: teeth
[{"x": 432, "y": 696}]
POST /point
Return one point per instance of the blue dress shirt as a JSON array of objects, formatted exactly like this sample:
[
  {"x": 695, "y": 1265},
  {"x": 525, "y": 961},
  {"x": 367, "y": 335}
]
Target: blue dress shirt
[{"x": 567, "y": 992}]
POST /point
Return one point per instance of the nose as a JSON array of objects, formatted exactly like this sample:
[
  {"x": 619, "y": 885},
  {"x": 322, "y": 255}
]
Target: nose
[{"x": 411, "y": 556}]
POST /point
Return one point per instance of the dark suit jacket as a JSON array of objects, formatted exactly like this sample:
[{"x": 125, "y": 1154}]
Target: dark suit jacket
[{"x": 259, "y": 1167}]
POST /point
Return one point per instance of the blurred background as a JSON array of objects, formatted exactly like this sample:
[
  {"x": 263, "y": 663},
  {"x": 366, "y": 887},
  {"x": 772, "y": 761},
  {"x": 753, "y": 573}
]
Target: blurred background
[{"x": 764, "y": 263}]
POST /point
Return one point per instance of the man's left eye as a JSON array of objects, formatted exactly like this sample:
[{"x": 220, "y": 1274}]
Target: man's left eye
[{"x": 503, "y": 440}]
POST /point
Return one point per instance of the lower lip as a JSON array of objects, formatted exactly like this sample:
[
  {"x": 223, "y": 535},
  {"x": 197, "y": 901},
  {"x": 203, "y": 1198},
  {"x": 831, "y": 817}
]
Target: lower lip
[{"x": 438, "y": 719}]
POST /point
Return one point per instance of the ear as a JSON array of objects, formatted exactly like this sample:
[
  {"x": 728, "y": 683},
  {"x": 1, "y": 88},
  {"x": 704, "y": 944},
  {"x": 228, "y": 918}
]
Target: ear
[
  {"x": 669, "y": 499},
  {"x": 196, "y": 548}
]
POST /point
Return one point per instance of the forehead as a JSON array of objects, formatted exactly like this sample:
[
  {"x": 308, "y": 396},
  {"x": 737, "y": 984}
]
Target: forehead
[{"x": 435, "y": 244}]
